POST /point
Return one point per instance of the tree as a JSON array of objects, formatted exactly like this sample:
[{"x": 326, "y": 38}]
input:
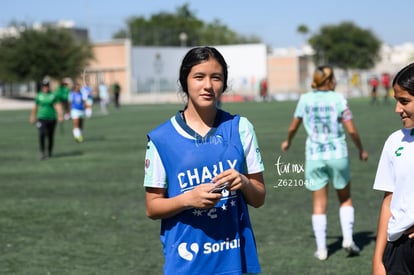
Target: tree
[
  {"x": 216, "y": 33},
  {"x": 162, "y": 29},
  {"x": 346, "y": 46},
  {"x": 178, "y": 29},
  {"x": 33, "y": 54},
  {"x": 303, "y": 30}
]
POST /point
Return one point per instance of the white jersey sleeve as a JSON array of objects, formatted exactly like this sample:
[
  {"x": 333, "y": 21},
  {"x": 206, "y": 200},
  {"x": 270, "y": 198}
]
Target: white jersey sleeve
[
  {"x": 385, "y": 178},
  {"x": 254, "y": 163},
  {"x": 155, "y": 175}
]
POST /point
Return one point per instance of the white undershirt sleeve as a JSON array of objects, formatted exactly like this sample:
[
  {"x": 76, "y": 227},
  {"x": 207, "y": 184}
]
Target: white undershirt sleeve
[
  {"x": 254, "y": 163},
  {"x": 155, "y": 175}
]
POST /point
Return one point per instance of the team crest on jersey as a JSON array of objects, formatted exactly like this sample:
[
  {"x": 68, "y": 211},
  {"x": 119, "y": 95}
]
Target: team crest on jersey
[
  {"x": 147, "y": 163},
  {"x": 398, "y": 152}
]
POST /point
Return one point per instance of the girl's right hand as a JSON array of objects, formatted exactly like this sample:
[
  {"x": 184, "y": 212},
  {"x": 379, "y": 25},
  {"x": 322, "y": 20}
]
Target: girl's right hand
[
  {"x": 363, "y": 155},
  {"x": 285, "y": 146}
]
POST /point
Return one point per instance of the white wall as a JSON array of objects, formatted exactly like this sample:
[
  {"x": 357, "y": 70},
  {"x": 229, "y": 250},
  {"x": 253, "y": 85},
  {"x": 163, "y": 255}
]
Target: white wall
[{"x": 156, "y": 69}]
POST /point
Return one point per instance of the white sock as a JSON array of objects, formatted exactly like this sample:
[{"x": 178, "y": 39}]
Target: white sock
[
  {"x": 346, "y": 216},
  {"x": 319, "y": 229},
  {"x": 77, "y": 132},
  {"x": 88, "y": 112}
]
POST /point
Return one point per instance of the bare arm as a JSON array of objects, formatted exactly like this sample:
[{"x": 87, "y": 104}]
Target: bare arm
[
  {"x": 32, "y": 118},
  {"x": 253, "y": 189},
  {"x": 353, "y": 133},
  {"x": 294, "y": 126},
  {"x": 59, "y": 111},
  {"x": 381, "y": 241}
]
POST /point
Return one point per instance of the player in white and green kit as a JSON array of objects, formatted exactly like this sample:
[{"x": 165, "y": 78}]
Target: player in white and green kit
[
  {"x": 324, "y": 114},
  {"x": 394, "y": 251}
]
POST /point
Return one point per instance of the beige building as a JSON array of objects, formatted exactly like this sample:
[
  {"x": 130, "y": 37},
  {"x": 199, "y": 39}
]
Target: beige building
[
  {"x": 112, "y": 63},
  {"x": 288, "y": 75}
]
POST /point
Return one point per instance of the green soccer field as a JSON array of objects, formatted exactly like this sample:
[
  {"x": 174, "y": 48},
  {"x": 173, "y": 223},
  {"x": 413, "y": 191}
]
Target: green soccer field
[{"x": 83, "y": 211}]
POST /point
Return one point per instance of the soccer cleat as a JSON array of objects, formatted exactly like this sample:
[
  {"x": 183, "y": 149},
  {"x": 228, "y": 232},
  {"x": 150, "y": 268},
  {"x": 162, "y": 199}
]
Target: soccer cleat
[
  {"x": 321, "y": 254},
  {"x": 79, "y": 139},
  {"x": 351, "y": 248}
]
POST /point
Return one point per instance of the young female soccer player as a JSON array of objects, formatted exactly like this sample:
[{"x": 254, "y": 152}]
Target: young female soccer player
[
  {"x": 46, "y": 110},
  {"x": 394, "y": 251},
  {"x": 202, "y": 148},
  {"x": 77, "y": 111},
  {"x": 324, "y": 114}
]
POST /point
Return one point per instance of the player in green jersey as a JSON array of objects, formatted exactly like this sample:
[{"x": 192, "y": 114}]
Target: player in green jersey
[{"x": 45, "y": 112}]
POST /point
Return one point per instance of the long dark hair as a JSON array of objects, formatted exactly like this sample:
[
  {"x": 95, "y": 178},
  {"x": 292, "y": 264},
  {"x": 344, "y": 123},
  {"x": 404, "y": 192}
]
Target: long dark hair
[
  {"x": 405, "y": 79},
  {"x": 196, "y": 56}
]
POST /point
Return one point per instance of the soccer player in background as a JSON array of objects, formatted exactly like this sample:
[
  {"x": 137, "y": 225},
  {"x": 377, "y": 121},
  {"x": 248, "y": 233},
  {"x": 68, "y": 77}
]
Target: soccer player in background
[
  {"x": 62, "y": 92},
  {"x": 78, "y": 103},
  {"x": 87, "y": 92},
  {"x": 324, "y": 114},
  {"x": 46, "y": 110}
]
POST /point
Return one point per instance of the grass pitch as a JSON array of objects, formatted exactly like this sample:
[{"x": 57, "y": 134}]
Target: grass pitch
[{"x": 83, "y": 211}]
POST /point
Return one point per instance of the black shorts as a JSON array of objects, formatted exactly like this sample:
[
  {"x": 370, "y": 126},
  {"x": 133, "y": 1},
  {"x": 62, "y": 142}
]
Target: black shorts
[{"x": 398, "y": 256}]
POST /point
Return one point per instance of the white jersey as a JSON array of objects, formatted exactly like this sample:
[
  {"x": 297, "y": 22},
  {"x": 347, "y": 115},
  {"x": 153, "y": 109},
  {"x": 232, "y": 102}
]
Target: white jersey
[
  {"x": 394, "y": 174},
  {"x": 322, "y": 113}
]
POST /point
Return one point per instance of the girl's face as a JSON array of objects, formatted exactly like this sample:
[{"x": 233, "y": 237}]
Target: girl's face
[
  {"x": 45, "y": 89},
  {"x": 404, "y": 106},
  {"x": 205, "y": 83}
]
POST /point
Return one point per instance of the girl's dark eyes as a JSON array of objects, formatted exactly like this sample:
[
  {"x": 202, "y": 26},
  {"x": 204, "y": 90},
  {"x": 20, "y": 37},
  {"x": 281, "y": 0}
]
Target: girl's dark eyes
[
  {"x": 403, "y": 101},
  {"x": 199, "y": 77}
]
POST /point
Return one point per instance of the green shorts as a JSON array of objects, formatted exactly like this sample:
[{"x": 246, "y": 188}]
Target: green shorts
[{"x": 319, "y": 172}]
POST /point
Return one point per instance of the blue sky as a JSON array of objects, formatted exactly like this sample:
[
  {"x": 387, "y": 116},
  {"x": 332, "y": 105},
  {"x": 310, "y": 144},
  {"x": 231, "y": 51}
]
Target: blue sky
[{"x": 275, "y": 22}]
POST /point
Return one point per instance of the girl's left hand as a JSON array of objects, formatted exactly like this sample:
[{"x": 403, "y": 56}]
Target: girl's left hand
[{"x": 233, "y": 177}]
